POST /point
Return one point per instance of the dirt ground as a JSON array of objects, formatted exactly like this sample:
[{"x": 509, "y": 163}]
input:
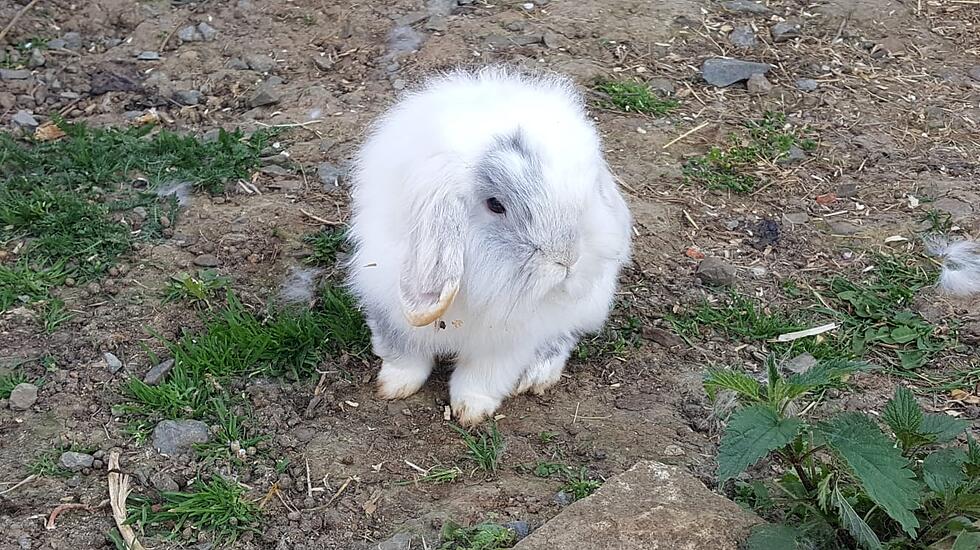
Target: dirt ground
[{"x": 895, "y": 113}]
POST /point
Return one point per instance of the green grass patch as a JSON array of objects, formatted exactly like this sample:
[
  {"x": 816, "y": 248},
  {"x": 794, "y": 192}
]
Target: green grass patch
[
  {"x": 436, "y": 475},
  {"x": 200, "y": 290},
  {"x": 324, "y": 246},
  {"x": 9, "y": 381},
  {"x": 617, "y": 338},
  {"x": 47, "y": 464},
  {"x": 578, "y": 483},
  {"x": 231, "y": 440},
  {"x": 633, "y": 97},
  {"x": 485, "y": 536},
  {"x": 769, "y": 140},
  {"x": 484, "y": 447},
  {"x": 69, "y": 205},
  {"x": 219, "y": 507}
]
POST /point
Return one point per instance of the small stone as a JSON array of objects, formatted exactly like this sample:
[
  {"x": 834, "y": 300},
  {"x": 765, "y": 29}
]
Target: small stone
[
  {"x": 207, "y": 32},
  {"x": 975, "y": 73},
  {"x": 673, "y": 450},
  {"x": 758, "y": 84},
  {"x": 22, "y": 397},
  {"x": 723, "y": 72},
  {"x": 73, "y": 40},
  {"x": 294, "y": 516},
  {"x": 746, "y": 6},
  {"x": 236, "y": 64},
  {"x": 330, "y": 176},
  {"x": 75, "y": 461},
  {"x": 57, "y": 44},
  {"x": 663, "y": 337},
  {"x": 806, "y": 84},
  {"x": 24, "y": 119},
  {"x": 112, "y": 362},
  {"x": 398, "y": 541},
  {"x": 36, "y": 60},
  {"x": 188, "y": 97},
  {"x": 164, "y": 483},
  {"x": 190, "y": 34},
  {"x": 322, "y": 62},
  {"x": 796, "y": 218},
  {"x": 207, "y": 260},
  {"x": 140, "y": 214},
  {"x": 785, "y": 30},
  {"x": 800, "y": 364},
  {"x": 156, "y": 374},
  {"x": 404, "y": 39},
  {"x": 664, "y": 86},
  {"x": 260, "y": 63},
  {"x": 148, "y": 56},
  {"x": 795, "y": 154},
  {"x": 842, "y": 228},
  {"x": 562, "y": 498},
  {"x": 847, "y": 190},
  {"x": 275, "y": 171},
  {"x": 437, "y": 23},
  {"x": 14, "y": 74},
  {"x": 266, "y": 94},
  {"x": 174, "y": 437},
  {"x": 520, "y": 529},
  {"x": 717, "y": 272},
  {"x": 551, "y": 40},
  {"x": 743, "y": 37}
]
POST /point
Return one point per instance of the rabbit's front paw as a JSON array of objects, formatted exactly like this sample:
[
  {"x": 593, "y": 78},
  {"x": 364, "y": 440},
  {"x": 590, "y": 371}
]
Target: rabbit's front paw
[
  {"x": 470, "y": 409},
  {"x": 401, "y": 378},
  {"x": 541, "y": 376}
]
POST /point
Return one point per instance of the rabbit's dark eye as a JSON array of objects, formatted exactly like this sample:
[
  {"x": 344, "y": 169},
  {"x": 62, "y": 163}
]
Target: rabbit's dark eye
[{"x": 494, "y": 206}]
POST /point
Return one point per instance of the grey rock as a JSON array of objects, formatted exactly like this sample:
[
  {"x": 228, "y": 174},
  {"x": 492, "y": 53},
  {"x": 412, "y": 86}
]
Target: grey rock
[
  {"x": 847, "y": 190},
  {"x": 207, "y": 260},
  {"x": 57, "y": 43},
  {"x": 746, "y": 6},
  {"x": 174, "y": 437},
  {"x": 211, "y": 135},
  {"x": 207, "y": 32},
  {"x": 715, "y": 271},
  {"x": 164, "y": 482},
  {"x": 723, "y": 72},
  {"x": 158, "y": 372},
  {"x": 190, "y": 34},
  {"x": 842, "y": 228},
  {"x": 975, "y": 73},
  {"x": 36, "y": 60},
  {"x": 958, "y": 209},
  {"x": 800, "y": 364},
  {"x": 24, "y": 119},
  {"x": 806, "y": 84},
  {"x": 73, "y": 40},
  {"x": 398, "y": 541},
  {"x": 562, "y": 498},
  {"x": 758, "y": 84},
  {"x": 331, "y": 176},
  {"x": 662, "y": 85},
  {"x": 551, "y": 40},
  {"x": 521, "y": 529},
  {"x": 266, "y": 94},
  {"x": 148, "y": 56},
  {"x": 140, "y": 213},
  {"x": 796, "y": 218},
  {"x": 404, "y": 39},
  {"x": 323, "y": 62},
  {"x": 236, "y": 64},
  {"x": 785, "y": 30},
  {"x": 22, "y": 397},
  {"x": 260, "y": 63},
  {"x": 112, "y": 362},
  {"x": 651, "y": 505},
  {"x": 188, "y": 97},
  {"x": 75, "y": 461},
  {"x": 14, "y": 74},
  {"x": 275, "y": 171},
  {"x": 795, "y": 154},
  {"x": 743, "y": 37},
  {"x": 440, "y": 7},
  {"x": 437, "y": 23}
]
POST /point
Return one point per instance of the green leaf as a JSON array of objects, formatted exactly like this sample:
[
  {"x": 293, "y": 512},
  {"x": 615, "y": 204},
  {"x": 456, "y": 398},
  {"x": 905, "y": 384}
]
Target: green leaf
[
  {"x": 751, "y": 434},
  {"x": 903, "y": 416},
  {"x": 855, "y": 525},
  {"x": 826, "y": 373},
  {"x": 877, "y": 463},
  {"x": 967, "y": 540},
  {"x": 912, "y": 360},
  {"x": 942, "y": 428},
  {"x": 942, "y": 470},
  {"x": 726, "y": 379},
  {"x": 903, "y": 335},
  {"x": 771, "y": 536}
]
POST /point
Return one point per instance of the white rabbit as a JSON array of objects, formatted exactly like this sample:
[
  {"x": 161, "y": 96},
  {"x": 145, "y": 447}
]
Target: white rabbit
[
  {"x": 486, "y": 227},
  {"x": 960, "y": 274}
]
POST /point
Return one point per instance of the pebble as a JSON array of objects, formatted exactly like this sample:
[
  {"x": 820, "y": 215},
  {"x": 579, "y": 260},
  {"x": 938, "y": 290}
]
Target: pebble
[
  {"x": 322, "y": 62},
  {"x": 148, "y": 56},
  {"x": 520, "y": 529},
  {"x": 847, "y": 190},
  {"x": 22, "y": 397},
  {"x": 266, "y": 94},
  {"x": 73, "y": 40},
  {"x": 796, "y": 218},
  {"x": 404, "y": 39},
  {"x": 36, "y": 60},
  {"x": 24, "y": 119},
  {"x": 207, "y": 31},
  {"x": 715, "y": 271},
  {"x": 795, "y": 154},
  {"x": 164, "y": 482},
  {"x": 758, "y": 84},
  {"x": 562, "y": 498},
  {"x": 723, "y": 72},
  {"x": 207, "y": 260},
  {"x": 330, "y": 176},
  {"x": 661, "y": 85},
  {"x": 75, "y": 461},
  {"x": 112, "y": 362},
  {"x": 398, "y": 541},
  {"x": 259, "y": 63},
  {"x": 746, "y": 6},
  {"x": 785, "y": 30},
  {"x": 174, "y": 437},
  {"x": 743, "y": 37},
  {"x": 57, "y": 43},
  {"x": 236, "y": 64},
  {"x": 806, "y": 84},
  {"x": 842, "y": 228},
  {"x": 294, "y": 516},
  {"x": 188, "y": 97},
  {"x": 437, "y": 23},
  {"x": 156, "y": 374},
  {"x": 190, "y": 34},
  {"x": 673, "y": 450},
  {"x": 14, "y": 74},
  {"x": 975, "y": 73}
]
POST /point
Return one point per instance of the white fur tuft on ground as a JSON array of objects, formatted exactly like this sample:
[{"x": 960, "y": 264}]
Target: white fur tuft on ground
[
  {"x": 300, "y": 285},
  {"x": 960, "y": 265}
]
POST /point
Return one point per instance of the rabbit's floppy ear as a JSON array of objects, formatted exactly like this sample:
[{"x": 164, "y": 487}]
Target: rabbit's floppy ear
[{"x": 433, "y": 266}]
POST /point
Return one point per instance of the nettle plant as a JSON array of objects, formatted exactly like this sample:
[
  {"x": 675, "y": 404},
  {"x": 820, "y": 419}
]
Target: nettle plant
[{"x": 842, "y": 482}]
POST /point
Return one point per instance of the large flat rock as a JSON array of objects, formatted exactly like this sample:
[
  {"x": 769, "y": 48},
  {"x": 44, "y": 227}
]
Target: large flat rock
[{"x": 651, "y": 506}]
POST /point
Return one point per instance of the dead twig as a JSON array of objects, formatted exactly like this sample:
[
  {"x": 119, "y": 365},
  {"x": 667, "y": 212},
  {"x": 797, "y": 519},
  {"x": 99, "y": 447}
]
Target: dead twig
[
  {"x": 59, "y": 509},
  {"x": 319, "y": 219},
  {"x": 697, "y": 128},
  {"x": 25, "y": 9},
  {"x": 118, "y": 493},
  {"x": 27, "y": 479}
]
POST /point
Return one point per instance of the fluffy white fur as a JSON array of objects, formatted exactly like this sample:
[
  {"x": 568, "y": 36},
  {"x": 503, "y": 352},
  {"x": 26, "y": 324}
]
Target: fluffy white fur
[
  {"x": 961, "y": 265},
  {"x": 523, "y": 286}
]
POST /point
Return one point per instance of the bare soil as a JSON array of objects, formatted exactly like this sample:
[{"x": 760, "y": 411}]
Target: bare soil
[{"x": 895, "y": 114}]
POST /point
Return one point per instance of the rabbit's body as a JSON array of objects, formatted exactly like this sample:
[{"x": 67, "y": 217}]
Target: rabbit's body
[{"x": 487, "y": 227}]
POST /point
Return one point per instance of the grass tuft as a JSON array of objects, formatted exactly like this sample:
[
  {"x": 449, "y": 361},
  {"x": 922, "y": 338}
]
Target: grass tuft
[
  {"x": 324, "y": 245},
  {"x": 633, "y": 97},
  {"x": 484, "y": 447},
  {"x": 9, "y": 381},
  {"x": 46, "y": 464},
  {"x": 200, "y": 290},
  {"x": 485, "y": 536}
]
